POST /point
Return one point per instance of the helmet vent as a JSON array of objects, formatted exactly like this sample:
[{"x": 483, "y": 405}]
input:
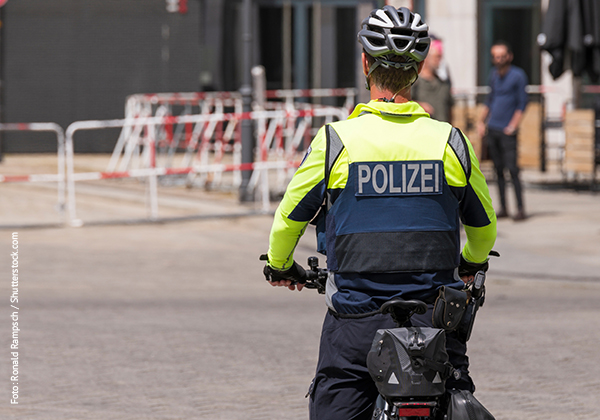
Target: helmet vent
[{"x": 399, "y": 32}]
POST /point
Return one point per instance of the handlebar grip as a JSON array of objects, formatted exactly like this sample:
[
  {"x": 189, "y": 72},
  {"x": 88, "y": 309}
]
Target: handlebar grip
[
  {"x": 479, "y": 280},
  {"x": 478, "y": 283},
  {"x": 309, "y": 275}
]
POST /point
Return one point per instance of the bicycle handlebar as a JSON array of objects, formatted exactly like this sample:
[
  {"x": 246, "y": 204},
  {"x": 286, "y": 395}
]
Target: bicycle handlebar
[{"x": 315, "y": 277}]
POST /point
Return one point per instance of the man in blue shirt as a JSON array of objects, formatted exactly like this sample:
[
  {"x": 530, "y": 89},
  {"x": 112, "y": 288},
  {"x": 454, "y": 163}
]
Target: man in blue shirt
[{"x": 503, "y": 111}]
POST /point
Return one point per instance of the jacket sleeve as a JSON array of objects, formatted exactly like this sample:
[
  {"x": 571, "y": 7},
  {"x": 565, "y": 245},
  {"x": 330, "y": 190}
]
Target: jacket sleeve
[
  {"x": 476, "y": 211},
  {"x": 301, "y": 202}
]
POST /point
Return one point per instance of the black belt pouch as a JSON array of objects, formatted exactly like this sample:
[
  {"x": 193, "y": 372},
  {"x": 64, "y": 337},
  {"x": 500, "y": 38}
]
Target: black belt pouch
[{"x": 449, "y": 308}]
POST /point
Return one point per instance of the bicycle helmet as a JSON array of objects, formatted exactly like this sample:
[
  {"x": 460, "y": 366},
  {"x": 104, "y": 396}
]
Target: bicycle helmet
[{"x": 392, "y": 32}]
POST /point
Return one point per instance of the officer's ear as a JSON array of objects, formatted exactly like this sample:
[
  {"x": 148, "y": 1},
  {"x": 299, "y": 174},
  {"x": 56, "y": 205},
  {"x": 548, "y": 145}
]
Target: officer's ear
[
  {"x": 420, "y": 67},
  {"x": 365, "y": 63}
]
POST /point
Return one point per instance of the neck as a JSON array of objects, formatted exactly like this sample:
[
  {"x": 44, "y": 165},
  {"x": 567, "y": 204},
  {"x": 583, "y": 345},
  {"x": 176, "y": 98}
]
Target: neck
[
  {"x": 426, "y": 73},
  {"x": 401, "y": 97},
  {"x": 503, "y": 70}
]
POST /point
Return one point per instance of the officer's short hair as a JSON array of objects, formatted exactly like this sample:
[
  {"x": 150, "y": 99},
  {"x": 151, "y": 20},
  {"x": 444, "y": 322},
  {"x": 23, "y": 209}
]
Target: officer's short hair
[{"x": 390, "y": 78}]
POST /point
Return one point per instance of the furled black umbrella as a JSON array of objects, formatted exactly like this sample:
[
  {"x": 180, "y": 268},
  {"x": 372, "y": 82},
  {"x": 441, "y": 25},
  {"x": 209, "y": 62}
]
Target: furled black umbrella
[{"x": 571, "y": 29}]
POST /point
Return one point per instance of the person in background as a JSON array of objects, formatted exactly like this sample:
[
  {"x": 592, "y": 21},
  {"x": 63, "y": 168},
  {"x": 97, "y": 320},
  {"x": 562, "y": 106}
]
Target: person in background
[
  {"x": 432, "y": 90},
  {"x": 501, "y": 116}
]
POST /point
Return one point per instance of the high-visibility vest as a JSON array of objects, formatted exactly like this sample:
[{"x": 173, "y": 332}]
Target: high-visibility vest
[{"x": 395, "y": 215}]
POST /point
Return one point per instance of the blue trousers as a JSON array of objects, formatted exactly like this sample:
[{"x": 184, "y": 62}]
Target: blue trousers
[{"x": 342, "y": 388}]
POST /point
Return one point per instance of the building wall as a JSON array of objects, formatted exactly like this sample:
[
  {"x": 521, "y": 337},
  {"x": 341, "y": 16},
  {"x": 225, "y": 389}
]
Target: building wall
[
  {"x": 70, "y": 60},
  {"x": 455, "y": 21}
]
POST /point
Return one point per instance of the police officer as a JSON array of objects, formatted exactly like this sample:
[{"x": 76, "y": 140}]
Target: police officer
[{"x": 394, "y": 185}]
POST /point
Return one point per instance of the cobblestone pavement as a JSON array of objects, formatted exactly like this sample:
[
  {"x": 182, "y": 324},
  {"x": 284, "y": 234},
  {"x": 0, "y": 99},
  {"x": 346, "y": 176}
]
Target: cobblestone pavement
[{"x": 174, "y": 321}]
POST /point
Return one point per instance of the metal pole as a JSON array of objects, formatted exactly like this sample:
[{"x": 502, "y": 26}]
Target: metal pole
[
  {"x": 543, "y": 132},
  {"x": 246, "y": 92},
  {"x": 316, "y": 46},
  {"x": 165, "y": 54},
  {"x": 301, "y": 46},
  {"x": 287, "y": 44}
]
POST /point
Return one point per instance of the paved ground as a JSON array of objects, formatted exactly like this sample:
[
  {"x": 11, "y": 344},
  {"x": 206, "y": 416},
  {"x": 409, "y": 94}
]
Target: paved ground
[{"x": 174, "y": 320}]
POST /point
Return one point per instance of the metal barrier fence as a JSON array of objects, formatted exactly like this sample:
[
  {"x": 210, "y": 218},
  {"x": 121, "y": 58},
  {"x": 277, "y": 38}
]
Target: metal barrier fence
[
  {"x": 268, "y": 124},
  {"x": 59, "y": 177},
  {"x": 216, "y": 136}
]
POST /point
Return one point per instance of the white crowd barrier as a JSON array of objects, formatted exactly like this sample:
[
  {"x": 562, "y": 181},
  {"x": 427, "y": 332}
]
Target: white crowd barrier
[
  {"x": 273, "y": 152},
  {"x": 60, "y": 176},
  {"x": 171, "y": 136},
  {"x": 215, "y": 137}
]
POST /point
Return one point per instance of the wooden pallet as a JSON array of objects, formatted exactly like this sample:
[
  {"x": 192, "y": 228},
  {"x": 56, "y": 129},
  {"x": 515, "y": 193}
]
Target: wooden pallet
[
  {"x": 579, "y": 141},
  {"x": 529, "y": 136}
]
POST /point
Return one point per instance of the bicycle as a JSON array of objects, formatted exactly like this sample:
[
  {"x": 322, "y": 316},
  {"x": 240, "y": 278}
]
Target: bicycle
[{"x": 431, "y": 401}]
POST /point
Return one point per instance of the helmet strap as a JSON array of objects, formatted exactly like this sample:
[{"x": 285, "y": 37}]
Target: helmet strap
[{"x": 376, "y": 64}]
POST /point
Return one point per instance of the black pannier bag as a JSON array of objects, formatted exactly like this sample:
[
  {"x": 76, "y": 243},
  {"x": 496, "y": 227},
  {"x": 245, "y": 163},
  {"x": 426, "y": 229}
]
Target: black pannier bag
[
  {"x": 409, "y": 362},
  {"x": 464, "y": 406}
]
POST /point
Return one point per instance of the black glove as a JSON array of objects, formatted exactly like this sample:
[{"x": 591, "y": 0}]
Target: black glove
[
  {"x": 295, "y": 273},
  {"x": 466, "y": 268}
]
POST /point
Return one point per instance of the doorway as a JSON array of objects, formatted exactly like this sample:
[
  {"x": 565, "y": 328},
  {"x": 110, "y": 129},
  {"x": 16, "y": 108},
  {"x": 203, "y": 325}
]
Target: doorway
[{"x": 516, "y": 22}]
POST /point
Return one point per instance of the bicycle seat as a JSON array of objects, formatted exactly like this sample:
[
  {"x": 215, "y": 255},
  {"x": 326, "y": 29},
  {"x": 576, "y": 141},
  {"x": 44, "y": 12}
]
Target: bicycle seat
[{"x": 417, "y": 306}]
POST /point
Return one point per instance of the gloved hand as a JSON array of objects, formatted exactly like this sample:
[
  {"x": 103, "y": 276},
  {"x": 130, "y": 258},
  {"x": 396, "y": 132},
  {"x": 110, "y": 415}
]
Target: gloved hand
[
  {"x": 467, "y": 268},
  {"x": 295, "y": 273}
]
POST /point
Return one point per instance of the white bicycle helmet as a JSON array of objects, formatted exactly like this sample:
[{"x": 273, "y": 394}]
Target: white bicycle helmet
[{"x": 391, "y": 32}]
